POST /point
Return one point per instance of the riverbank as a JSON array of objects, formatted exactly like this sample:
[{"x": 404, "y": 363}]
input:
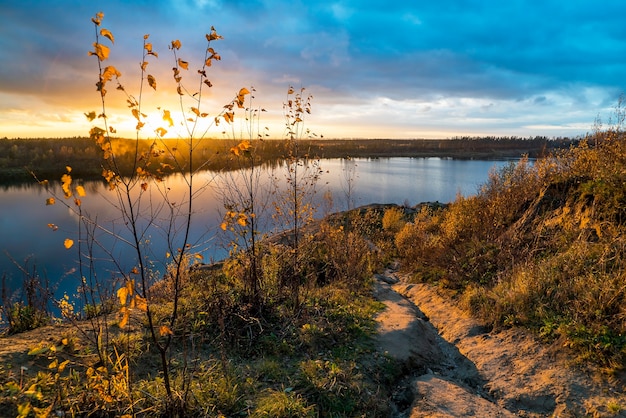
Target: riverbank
[{"x": 47, "y": 158}]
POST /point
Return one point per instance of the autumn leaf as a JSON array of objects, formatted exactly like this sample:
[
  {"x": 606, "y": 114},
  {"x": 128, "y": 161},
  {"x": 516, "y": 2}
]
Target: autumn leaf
[
  {"x": 68, "y": 168},
  {"x": 50, "y": 201},
  {"x": 152, "y": 81},
  {"x": 183, "y": 64},
  {"x": 66, "y": 182},
  {"x": 107, "y": 34},
  {"x": 213, "y": 35},
  {"x": 176, "y": 44},
  {"x": 90, "y": 116},
  {"x": 125, "y": 313},
  {"x": 109, "y": 72},
  {"x": 196, "y": 111},
  {"x": 223, "y": 225},
  {"x": 53, "y": 227},
  {"x": 80, "y": 190},
  {"x": 68, "y": 243},
  {"x": 144, "y": 65},
  {"x": 199, "y": 256},
  {"x": 168, "y": 117},
  {"x": 62, "y": 366},
  {"x": 101, "y": 51},
  {"x": 144, "y": 186},
  {"x": 165, "y": 330},
  {"x": 161, "y": 131},
  {"x": 229, "y": 116},
  {"x": 140, "y": 303}
]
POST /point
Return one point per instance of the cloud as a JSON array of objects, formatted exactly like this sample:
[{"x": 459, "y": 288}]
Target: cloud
[{"x": 501, "y": 60}]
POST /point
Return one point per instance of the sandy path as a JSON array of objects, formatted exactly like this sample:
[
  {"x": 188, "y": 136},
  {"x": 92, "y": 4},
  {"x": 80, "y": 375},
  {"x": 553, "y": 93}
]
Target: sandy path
[{"x": 459, "y": 369}]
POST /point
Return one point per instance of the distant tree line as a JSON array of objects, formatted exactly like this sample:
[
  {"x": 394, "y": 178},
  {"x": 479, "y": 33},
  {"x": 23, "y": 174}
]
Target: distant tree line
[{"x": 47, "y": 158}]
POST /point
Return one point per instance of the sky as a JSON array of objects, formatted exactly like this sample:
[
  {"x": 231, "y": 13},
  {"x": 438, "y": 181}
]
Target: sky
[{"x": 399, "y": 69}]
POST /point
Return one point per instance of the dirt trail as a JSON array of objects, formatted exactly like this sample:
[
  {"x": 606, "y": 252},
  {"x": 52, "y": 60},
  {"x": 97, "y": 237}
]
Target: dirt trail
[{"x": 459, "y": 369}]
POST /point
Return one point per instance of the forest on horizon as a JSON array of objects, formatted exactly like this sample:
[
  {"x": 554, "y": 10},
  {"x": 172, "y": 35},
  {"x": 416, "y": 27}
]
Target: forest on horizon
[{"x": 46, "y": 158}]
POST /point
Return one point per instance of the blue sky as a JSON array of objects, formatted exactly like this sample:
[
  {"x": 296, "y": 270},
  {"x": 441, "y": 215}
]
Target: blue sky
[{"x": 404, "y": 69}]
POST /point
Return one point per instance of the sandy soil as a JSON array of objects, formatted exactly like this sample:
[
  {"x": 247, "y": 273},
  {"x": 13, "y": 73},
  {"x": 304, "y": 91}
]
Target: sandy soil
[{"x": 459, "y": 369}]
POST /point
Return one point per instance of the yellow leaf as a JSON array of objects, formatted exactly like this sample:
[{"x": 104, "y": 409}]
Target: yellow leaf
[
  {"x": 223, "y": 225},
  {"x": 90, "y": 116},
  {"x": 53, "y": 227},
  {"x": 77, "y": 202},
  {"x": 244, "y": 145},
  {"x": 122, "y": 294},
  {"x": 23, "y": 409},
  {"x": 38, "y": 350},
  {"x": 54, "y": 364},
  {"x": 107, "y": 34},
  {"x": 152, "y": 81},
  {"x": 144, "y": 65},
  {"x": 140, "y": 303},
  {"x": 125, "y": 317},
  {"x": 176, "y": 44},
  {"x": 62, "y": 366},
  {"x": 196, "y": 111},
  {"x": 109, "y": 72},
  {"x": 242, "y": 219},
  {"x": 213, "y": 35},
  {"x": 229, "y": 116},
  {"x": 243, "y": 91},
  {"x": 161, "y": 131},
  {"x": 165, "y": 330},
  {"x": 101, "y": 51},
  {"x": 50, "y": 201},
  {"x": 68, "y": 243},
  {"x": 183, "y": 64},
  {"x": 80, "y": 190},
  {"x": 168, "y": 117},
  {"x": 68, "y": 168},
  {"x": 198, "y": 256},
  {"x": 66, "y": 182}
]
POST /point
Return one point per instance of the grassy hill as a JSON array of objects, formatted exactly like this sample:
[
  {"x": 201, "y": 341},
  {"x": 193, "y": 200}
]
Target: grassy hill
[{"x": 542, "y": 246}]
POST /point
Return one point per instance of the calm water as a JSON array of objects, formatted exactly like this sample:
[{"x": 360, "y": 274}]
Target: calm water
[{"x": 26, "y": 238}]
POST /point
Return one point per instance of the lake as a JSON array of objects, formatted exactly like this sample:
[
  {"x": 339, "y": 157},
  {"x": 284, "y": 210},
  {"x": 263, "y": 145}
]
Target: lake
[{"x": 29, "y": 242}]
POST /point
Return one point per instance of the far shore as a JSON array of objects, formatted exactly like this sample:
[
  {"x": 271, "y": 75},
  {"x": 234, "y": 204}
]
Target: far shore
[{"x": 46, "y": 158}]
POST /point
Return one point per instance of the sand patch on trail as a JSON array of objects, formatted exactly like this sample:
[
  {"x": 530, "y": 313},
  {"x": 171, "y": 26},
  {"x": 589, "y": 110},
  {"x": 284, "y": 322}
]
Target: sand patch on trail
[{"x": 458, "y": 368}]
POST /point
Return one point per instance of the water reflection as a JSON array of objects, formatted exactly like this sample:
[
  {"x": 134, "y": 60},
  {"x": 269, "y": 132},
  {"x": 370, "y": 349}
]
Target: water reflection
[{"x": 25, "y": 217}]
